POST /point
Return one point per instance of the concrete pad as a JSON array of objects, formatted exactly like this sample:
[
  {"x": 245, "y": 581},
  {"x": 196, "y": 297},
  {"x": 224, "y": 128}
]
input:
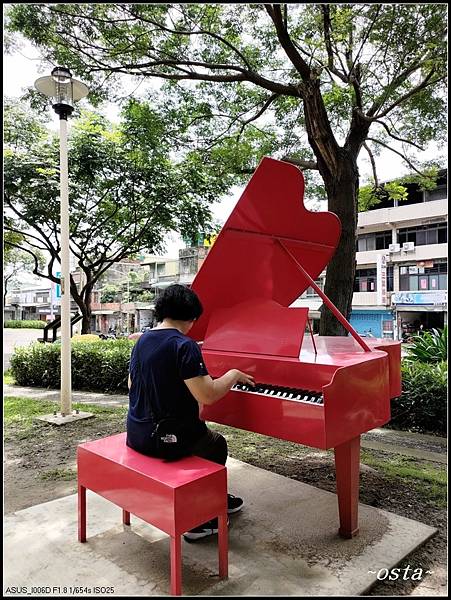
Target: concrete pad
[
  {"x": 284, "y": 542},
  {"x": 60, "y": 419}
]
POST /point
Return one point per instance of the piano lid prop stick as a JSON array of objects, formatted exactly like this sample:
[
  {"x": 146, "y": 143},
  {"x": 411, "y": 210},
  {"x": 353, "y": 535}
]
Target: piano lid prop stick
[
  {"x": 311, "y": 335},
  {"x": 326, "y": 300}
]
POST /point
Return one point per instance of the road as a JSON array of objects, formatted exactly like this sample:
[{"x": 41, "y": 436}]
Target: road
[{"x": 17, "y": 337}]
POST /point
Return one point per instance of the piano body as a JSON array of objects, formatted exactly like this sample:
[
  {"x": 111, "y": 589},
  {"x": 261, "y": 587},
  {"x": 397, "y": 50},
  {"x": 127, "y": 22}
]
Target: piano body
[{"x": 319, "y": 391}]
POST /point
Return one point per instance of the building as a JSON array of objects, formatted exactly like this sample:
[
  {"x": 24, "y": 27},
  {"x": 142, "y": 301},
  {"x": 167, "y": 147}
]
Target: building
[
  {"x": 112, "y": 307},
  {"x": 190, "y": 261},
  {"x": 402, "y": 266},
  {"x": 35, "y": 303},
  {"x": 30, "y": 303}
]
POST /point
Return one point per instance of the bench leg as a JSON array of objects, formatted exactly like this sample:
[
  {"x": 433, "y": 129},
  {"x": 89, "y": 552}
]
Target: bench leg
[
  {"x": 81, "y": 513},
  {"x": 176, "y": 565},
  {"x": 125, "y": 517},
  {"x": 223, "y": 543}
]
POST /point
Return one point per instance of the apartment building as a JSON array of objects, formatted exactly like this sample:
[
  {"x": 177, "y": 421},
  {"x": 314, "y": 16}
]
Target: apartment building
[
  {"x": 36, "y": 303},
  {"x": 401, "y": 276}
]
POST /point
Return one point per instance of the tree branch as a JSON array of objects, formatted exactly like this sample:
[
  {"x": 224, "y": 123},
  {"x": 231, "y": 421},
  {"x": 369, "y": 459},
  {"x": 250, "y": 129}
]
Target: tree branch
[
  {"x": 216, "y": 36},
  {"x": 268, "y": 102},
  {"x": 426, "y": 81},
  {"x": 35, "y": 258},
  {"x": 373, "y": 164},
  {"x": 390, "y": 88},
  {"x": 303, "y": 164},
  {"x": 327, "y": 40},
  {"x": 396, "y": 152},
  {"x": 284, "y": 38},
  {"x": 395, "y": 137}
]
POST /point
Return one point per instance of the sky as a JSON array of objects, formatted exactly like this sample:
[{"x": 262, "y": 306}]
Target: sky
[{"x": 23, "y": 67}]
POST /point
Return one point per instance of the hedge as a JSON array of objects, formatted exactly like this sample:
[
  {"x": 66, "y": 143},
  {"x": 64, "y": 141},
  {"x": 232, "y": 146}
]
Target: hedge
[
  {"x": 422, "y": 406},
  {"x": 100, "y": 365},
  {"x": 25, "y": 324}
]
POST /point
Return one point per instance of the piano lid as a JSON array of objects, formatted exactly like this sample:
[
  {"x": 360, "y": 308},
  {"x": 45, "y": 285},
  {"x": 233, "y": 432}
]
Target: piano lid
[{"x": 247, "y": 260}]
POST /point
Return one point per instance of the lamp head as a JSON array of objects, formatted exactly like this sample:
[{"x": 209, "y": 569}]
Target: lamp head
[{"x": 63, "y": 89}]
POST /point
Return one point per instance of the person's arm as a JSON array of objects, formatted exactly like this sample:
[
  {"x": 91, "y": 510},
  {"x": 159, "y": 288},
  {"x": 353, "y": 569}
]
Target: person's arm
[{"x": 208, "y": 391}]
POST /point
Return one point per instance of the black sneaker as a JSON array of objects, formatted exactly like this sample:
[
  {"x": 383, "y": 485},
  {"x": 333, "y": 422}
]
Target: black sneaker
[
  {"x": 234, "y": 504},
  {"x": 202, "y": 531}
]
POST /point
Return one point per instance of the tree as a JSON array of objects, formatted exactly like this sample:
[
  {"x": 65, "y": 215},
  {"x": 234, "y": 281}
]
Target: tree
[
  {"x": 336, "y": 78},
  {"x": 16, "y": 261},
  {"x": 125, "y": 194}
]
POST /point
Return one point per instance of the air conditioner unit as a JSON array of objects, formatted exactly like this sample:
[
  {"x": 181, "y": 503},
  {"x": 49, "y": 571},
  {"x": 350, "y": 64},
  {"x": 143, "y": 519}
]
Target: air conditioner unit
[
  {"x": 394, "y": 248},
  {"x": 408, "y": 246}
]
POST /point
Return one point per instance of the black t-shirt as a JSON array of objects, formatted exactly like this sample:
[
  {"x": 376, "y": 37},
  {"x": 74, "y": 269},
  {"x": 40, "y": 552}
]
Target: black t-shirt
[{"x": 167, "y": 358}]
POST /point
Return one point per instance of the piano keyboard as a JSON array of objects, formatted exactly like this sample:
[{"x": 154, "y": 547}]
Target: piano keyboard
[{"x": 284, "y": 393}]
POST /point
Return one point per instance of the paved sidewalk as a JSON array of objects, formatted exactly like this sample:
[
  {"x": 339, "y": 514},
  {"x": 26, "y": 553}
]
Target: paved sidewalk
[
  {"x": 283, "y": 543},
  {"x": 424, "y": 447},
  {"x": 36, "y": 393}
]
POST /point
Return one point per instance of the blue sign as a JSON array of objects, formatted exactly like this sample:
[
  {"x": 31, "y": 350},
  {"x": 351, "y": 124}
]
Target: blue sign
[
  {"x": 428, "y": 298},
  {"x": 58, "y": 286}
]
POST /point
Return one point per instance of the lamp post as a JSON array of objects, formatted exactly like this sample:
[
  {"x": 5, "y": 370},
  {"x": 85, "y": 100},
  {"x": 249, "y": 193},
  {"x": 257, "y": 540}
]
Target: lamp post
[{"x": 64, "y": 90}]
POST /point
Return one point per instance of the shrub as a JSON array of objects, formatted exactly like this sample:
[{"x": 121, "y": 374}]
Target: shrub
[
  {"x": 96, "y": 365},
  {"x": 85, "y": 337},
  {"x": 25, "y": 324},
  {"x": 429, "y": 347},
  {"x": 422, "y": 405}
]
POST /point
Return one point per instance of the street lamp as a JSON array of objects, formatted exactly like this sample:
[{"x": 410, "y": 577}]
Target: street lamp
[{"x": 64, "y": 90}]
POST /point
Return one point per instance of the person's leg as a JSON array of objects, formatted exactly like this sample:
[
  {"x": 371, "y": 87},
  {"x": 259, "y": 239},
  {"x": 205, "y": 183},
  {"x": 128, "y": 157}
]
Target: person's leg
[{"x": 212, "y": 446}]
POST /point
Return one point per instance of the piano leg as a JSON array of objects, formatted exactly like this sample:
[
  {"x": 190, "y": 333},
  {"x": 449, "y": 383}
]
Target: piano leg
[{"x": 347, "y": 470}]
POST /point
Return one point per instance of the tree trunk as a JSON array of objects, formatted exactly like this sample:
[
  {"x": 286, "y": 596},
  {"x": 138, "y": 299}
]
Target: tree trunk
[
  {"x": 86, "y": 312},
  {"x": 342, "y": 191},
  {"x": 338, "y": 168},
  {"x": 86, "y": 323},
  {"x": 83, "y": 302}
]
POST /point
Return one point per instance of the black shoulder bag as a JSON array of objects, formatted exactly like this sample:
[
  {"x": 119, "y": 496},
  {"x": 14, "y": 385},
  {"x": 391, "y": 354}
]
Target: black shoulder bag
[{"x": 171, "y": 437}]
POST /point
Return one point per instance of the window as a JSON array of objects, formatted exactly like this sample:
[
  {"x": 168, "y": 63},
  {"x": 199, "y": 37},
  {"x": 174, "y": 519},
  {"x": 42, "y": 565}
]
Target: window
[
  {"x": 432, "y": 278},
  {"x": 383, "y": 240},
  {"x": 440, "y": 193},
  {"x": 374, "y": 241},
  {"x": 390, "y": 287},
  {"x": 365, "y": 280},
  {"x": 424, "y": 234},
  {"x": 442, "y": 235},
  {"x": 310, "y": 292}
]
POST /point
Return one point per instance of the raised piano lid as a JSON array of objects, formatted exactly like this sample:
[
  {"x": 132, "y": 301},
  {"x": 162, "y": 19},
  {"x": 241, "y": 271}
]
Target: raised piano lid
[{"x": 247, "y": 261}]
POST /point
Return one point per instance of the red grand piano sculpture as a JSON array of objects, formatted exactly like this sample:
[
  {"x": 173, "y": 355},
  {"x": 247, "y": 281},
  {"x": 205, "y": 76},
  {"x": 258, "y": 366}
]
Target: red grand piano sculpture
[{"x": 318, "y": 391}]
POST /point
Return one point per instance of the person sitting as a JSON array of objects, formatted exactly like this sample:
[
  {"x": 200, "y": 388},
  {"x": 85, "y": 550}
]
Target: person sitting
[{"x": 167, "y": 370}]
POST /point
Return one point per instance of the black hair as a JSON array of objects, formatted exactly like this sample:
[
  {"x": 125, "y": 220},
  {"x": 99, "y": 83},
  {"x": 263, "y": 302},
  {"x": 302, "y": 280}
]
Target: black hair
[{"x": 178, "y": 302}]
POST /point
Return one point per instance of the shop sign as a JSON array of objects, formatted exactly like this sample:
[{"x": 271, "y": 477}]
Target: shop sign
[
  {"x": 58, "y": 286},
  {"x": 381, "y": 279},
  {"x": 420, "y": 298}
]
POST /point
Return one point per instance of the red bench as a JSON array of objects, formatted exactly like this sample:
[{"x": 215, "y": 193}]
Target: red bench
[{"x": 173, "y": 496}]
